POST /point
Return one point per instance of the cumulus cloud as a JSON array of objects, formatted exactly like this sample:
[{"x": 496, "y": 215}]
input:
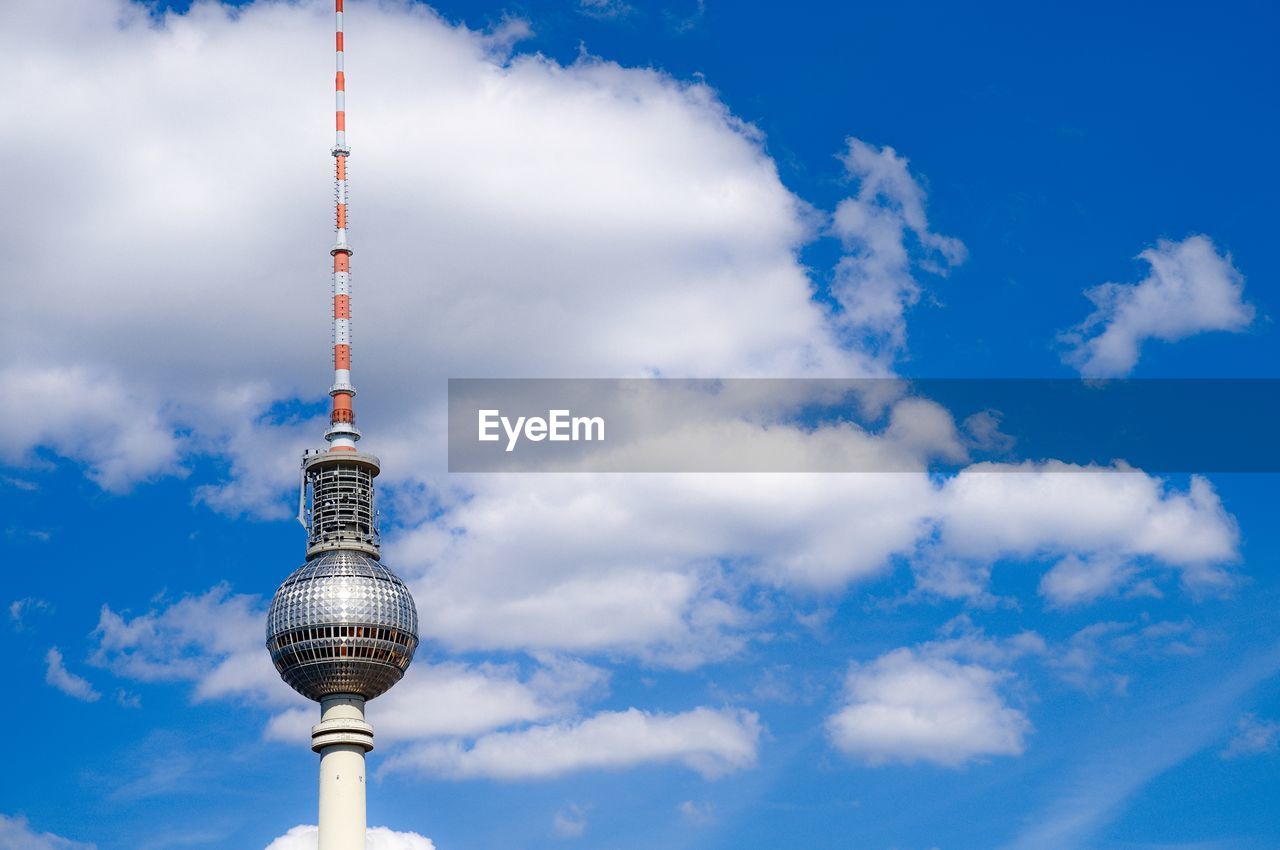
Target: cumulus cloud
[
  {"x": 452, "y": 699},
  {"x": 16, "y": 834},
  {"x": 568, "y": 563},
  {"x": 57, "y": 675},
  {"x": 558, "y": 564},
  {"x": 378, "y": 838},
  {"x": 993, "y": 511},
  {"x": 712, "y": 742},
  {"x": 431, "y": 714},
  {"x": 1191, "y": 289},
  {"x": 945, "y": 700},
  {"x": 909, "y": 707},
  {"x": 874, "y": 282},
  {"x": 576, "y": 562},
  {"x": 118, "y": 431},
  {"x": 624, "y": 214},
  {"x": 213, "y": 639},
  {"x": 590, "y": 204}
]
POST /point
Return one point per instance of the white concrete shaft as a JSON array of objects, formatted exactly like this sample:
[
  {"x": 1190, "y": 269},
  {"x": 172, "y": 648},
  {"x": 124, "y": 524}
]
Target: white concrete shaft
[
  {"x": 342, "y": 738},
  {"x": 342, "y": 806}
]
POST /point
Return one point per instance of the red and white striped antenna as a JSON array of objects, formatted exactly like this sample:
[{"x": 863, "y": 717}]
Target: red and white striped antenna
[{"x": 342, "y": 433}]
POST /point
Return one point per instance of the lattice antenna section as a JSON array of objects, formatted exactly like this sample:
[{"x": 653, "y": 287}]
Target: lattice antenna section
[{"x": 341, "y": 511}]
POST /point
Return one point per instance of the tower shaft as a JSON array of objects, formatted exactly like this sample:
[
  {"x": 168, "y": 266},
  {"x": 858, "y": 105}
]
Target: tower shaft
[
  {"x": 342, "y": 433},
  {"x": 342, "y": 738}
]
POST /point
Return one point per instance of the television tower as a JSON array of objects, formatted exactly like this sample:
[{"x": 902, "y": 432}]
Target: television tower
[{"x": 343, "y": 628}]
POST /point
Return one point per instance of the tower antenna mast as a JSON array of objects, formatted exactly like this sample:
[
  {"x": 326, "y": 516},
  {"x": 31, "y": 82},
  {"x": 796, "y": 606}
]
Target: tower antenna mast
[{"x": 342, "y": 433}]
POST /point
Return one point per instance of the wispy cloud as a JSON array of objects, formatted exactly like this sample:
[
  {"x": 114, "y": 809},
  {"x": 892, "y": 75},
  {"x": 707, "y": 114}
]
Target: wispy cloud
[
  {"x": 887, "y": 236},
  {"x": 606, "y": 9},
  {"x": 57, "y": 675},
  {"x": 1161, "y": 737},
  {"x": 1253, "y": 736},
  {"x": 20, "y": 608},
  {"x": 16, "y": 834},
  {"x": 710, "y": 741},
  {"x": 569, "y": 822},
  {"x": 699, "y": 813}
]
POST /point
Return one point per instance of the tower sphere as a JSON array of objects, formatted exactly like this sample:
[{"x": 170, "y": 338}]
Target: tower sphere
[{"x": 342, "y": 624}]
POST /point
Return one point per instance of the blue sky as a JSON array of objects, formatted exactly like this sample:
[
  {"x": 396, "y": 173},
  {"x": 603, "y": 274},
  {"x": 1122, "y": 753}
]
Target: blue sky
[{"x": 976, "y": 660}]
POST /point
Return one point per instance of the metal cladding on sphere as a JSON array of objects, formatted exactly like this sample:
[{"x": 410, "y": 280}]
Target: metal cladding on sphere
[{"x": 342, "y": 624}]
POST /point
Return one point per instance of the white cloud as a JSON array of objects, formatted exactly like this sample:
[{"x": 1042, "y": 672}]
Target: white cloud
[
  {"x": 214, "y": 640},
  {"x": 709, "y": 741},
  {"x": 605, "y": 9},
  {"x": 646, "y": 565},
  {"x": 697, "y": 813},
  {"x": 119, "y": 432},
  {"x": 202, "y": 639},
  {"x": 1191, "y": 289},
  {"x": 960, "y": 639},
  {"x": 450, "y": 699},
  {"x": 19, "y": 608},
  {"x": 378, "y": 838},
  {"x": 588, "y": 204},
  {"x": 622, "y": 214},
  {"x": 993, "y": 511},
  {"x": 874, "y": 282},
  {"x": 1074, "y": 580},
  {"x": 1090, "y": 658},
  {"x": 561, "y": 563},
  {"x": 569, "y": 822},
  {"x": 1252, "y": 737},
  {"x": 943, "y": 701},
  {"x": 908, "y": 707},
  {"x": 571, "y": 563},
  {"x": 57, "y": 675},
  {"x": 625, "y": 215},
  {"x": 17, "y": 834}
]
